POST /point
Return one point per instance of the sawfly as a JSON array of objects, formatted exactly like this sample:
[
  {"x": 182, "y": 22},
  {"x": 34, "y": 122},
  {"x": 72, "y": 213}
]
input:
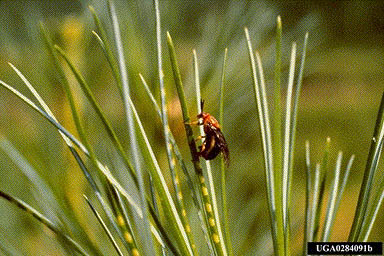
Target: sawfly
[{"x": 214, "y": 142}]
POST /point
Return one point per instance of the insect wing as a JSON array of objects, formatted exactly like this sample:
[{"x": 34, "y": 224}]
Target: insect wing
[{"x": 222, "y": 143}]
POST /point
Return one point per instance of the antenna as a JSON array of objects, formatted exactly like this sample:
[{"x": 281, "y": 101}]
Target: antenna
[{"x": 201, "y": 105}]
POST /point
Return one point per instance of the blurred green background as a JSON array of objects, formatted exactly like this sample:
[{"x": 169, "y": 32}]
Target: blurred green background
[{"x": 342, "y": 87}]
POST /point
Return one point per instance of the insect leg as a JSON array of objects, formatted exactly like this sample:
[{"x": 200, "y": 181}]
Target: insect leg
[
  {"x": 200, "y": 137},
  {"x": 197, "y": 122},
  {"x": 202, "y": 148}
]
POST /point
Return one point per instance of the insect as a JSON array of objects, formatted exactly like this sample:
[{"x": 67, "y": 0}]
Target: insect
[{"x": 214, "y": 142}]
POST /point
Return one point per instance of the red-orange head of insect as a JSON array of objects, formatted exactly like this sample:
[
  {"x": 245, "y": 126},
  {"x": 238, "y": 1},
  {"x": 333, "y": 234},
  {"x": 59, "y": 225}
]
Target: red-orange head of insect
[{"x": 208, "y": 119}]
